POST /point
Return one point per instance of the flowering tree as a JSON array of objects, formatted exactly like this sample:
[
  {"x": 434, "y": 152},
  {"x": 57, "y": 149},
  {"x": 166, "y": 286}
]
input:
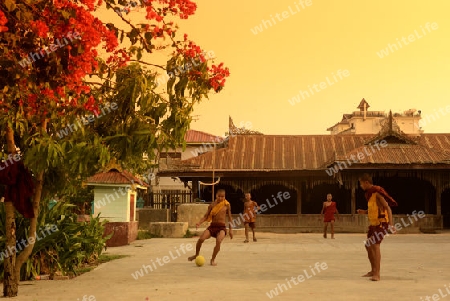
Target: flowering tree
[{"x": 65, "y": 110}]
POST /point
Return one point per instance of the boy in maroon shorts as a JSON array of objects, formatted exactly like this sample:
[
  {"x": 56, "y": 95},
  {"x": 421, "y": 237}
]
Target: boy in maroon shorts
[
  {"x": 216, "y": 214},
  {"x": 250, "y": 209},
  {"x": 380, "y": 219}
]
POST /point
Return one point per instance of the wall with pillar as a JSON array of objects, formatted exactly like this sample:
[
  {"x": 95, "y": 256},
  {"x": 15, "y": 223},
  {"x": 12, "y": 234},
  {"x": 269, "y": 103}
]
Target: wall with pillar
[{"x": 347, "y": 223}]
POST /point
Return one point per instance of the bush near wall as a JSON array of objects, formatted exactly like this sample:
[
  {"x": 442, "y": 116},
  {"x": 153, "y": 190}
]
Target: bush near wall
[{"x": 70, "y": 246}]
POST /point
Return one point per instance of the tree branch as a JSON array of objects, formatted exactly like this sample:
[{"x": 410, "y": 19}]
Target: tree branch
[
  {"x": 150, "y": 64},
  {"x": 143, "y": 41}
]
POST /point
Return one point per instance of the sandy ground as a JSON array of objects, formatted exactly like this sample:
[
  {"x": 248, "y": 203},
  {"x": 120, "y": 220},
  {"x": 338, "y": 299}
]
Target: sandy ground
[{"x": 414, "y": 266}]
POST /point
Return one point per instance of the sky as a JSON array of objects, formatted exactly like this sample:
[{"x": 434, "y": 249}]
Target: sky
[{"x": 297, "y": 66}]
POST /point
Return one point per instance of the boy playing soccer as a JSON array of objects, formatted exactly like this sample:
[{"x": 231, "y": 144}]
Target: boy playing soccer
[{"x": 250, "y": 208}]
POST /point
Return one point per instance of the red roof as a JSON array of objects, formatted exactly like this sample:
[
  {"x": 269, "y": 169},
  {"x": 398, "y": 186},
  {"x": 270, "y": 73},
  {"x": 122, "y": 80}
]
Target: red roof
[
  {"x": 193, "y": 136},
  {"x": 314, "y": 152},
  {"x": 115, "y": 177}
]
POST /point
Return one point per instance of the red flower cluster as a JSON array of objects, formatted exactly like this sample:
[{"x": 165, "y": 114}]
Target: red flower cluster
[
  {"x": 79, "y": 57},
  {"x": 3, "y": 21},
  {"x": 92, "y": 32},
  {"x": 49, "y": 94},
  {"x": 152, "y": 14},
  {"x": 32, "y": 104},
  {"x": 217, "y": 76},
  {"x": 158, "y": 11},
  {"x": 191, "y": 50},
  {"x": 119, "y": 59},
  {"x": 91, "y": 105},
  {"x": 182, "y": 8},
  {"x": 186, "y": 7},
  {"x": 89, "y": 3},
  {"x": 40, "y": 28}
]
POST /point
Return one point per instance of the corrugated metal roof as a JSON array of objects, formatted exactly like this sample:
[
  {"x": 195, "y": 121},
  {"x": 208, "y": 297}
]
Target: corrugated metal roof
[
  {"x": 114, "y": 176},
  {"x": 193, "y": 136},
  {"x": 315, "y": 152},
  {"x": 396, "y": 154}
]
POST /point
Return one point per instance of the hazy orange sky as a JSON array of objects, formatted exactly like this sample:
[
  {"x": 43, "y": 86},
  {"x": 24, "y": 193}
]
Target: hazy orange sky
[{"x": 307, "y": 44}]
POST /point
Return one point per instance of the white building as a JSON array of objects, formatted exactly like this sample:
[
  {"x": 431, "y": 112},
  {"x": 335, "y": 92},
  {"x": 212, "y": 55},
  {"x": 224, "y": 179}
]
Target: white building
[
  {"x": 115, "y": 194},
  {"x": 197, "y": 143},
  {"x": 370, "y": 122}
]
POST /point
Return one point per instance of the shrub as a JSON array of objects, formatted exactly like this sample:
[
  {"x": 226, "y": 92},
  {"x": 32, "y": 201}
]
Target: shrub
[{"x": 62, "y": 249}]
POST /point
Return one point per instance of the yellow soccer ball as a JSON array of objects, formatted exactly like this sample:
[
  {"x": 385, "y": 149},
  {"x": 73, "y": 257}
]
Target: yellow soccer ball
[{"x": 199, "y": 260}]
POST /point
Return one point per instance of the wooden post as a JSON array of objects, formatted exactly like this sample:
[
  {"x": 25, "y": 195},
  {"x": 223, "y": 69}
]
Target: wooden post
[
  {"x": 213, "y": 175},
  {"x": 438, "y": 196},
  {"x": 353, "y": 198},
  {"x": 213, "y": 167},
  {"x": 195, "y": 192}
]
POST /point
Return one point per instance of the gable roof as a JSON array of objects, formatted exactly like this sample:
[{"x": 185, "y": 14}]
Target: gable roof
[
  {"x": 313, "y": 152},
  {"x": 194, "y": 137},
  {"x": 115, "y": 177},
  {"x": 395, "y": 154},
  {"x": 362, "y": 103}
]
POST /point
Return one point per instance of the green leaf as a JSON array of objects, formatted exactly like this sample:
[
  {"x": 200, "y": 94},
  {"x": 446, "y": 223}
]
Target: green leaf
[
  {"x": 66, "y": 15},
  {"x": 133, "y": 33},
  {"x": 10, "y": 5},
  {"x": 148, "y": 37}
]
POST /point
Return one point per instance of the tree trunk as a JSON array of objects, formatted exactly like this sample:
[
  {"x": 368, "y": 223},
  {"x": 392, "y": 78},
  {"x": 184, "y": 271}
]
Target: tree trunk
[
  {"x": 10, "y": 283},
  {"x": 23, "y": 256},
  {"x": 12, "y": 264}
]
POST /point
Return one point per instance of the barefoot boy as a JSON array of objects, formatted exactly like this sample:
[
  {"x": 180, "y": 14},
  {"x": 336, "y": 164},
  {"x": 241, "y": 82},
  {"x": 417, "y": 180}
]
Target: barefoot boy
[
  {"x": 380, "y": 219},
  {"x": 250, "y": 209},
  {"x": 329, "y": 209},
  {"x": 216, "y": 214}
]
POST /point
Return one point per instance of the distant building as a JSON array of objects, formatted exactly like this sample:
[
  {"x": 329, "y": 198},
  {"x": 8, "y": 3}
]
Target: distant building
[
  {"x": 292, "y": 174},
  {"x": 169, "y": 192},
  {"x": 197, "y": 143},
  {"x": 115, "y": 193},
  {"x": 371, "y": 122}
]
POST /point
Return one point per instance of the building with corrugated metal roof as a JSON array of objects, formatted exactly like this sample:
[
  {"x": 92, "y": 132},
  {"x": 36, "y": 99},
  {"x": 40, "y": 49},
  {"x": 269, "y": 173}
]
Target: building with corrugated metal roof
[{"x": 414, "y": 168}]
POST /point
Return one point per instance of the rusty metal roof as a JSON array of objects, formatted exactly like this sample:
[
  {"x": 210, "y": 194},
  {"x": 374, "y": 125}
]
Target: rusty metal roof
[
  {"x": 314, "y": 152},
  {"x": 396, "y": 154},
  {"x": 115, "y": 177},
  {"x": 193, "y": 136}
]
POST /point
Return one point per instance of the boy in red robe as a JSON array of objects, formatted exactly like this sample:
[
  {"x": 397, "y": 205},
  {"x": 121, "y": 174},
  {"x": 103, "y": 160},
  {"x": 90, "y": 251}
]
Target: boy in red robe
[{"x": 329, "y": 209}]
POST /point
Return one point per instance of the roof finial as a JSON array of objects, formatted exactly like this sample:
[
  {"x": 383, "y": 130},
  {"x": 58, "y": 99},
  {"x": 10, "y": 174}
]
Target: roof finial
[
  {"x": 391, "y": 130},
  {"x": 361, "y": 105},
  {"x": 231, "y": 127}
]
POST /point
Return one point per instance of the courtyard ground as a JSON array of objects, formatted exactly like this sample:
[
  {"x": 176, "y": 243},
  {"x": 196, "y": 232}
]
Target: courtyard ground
[{"x": 413, "y": 266}]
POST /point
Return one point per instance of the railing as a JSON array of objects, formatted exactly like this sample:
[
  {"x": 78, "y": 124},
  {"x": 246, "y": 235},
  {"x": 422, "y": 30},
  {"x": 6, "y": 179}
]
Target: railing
[
  {"x": 168, "y": 199},
  {"x": 370, "y": 113}
]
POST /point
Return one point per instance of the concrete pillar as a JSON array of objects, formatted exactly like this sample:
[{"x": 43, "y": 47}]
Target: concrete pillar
[{"x": 438, "y": 204}]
